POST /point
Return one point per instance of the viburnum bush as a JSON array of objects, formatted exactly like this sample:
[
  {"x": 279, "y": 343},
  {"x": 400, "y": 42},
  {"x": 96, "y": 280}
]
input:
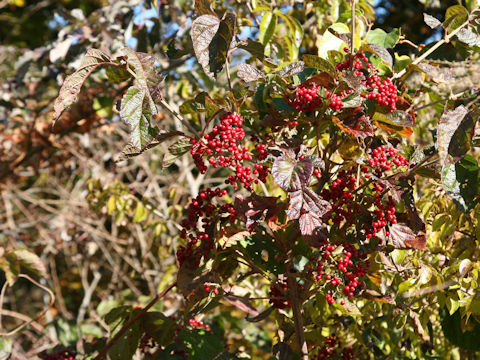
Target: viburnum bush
[{"x": 307, "y": 218}]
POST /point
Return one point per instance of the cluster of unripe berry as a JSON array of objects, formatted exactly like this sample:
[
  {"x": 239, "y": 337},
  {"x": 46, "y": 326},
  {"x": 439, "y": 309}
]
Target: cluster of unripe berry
[
  {"x": 333, "y": 349},
  {"x": 63, "y": 354}
]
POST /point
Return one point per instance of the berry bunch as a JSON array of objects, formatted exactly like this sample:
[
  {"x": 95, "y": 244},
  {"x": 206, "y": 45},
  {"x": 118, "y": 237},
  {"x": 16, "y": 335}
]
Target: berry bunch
[
  {"x": 222, "y": 148},
  {"x": 333, "y": 349},
  {"x": 306, "y": 98},
  {"x": 278, "y": 298},
  {"x": 201, "y": 210},
  {"x": 383, "y": 92},
  {"x": 198, "y": 324},
  {"x": 207, "y": 289},
  {"x": 147, "y": 345},
  {"x": 341, "y": 274},
  {"x": 62, "y": 354}
]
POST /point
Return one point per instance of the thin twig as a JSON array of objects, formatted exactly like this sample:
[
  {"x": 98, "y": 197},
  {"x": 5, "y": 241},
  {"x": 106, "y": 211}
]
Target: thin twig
[
  {"x": 297, "y": 317},
  {"x": 127, "y": 326},
  {"x": 446, "y": 39}
]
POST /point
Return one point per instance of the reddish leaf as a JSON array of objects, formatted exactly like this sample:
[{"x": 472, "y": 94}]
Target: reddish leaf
[
  {"x": 355, "y": 122},
  {"x": 402, "y": 237},
  {"x": 295, "y": 204},
  {"x": 242, "y": 304},
  {"x": 292, "y": 172},
  {"x": 324, "y": 79},
  {"x": 256, "y": 209}
]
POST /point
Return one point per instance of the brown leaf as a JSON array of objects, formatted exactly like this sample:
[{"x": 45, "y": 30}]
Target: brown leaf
[{"x": 324, "y": 79}]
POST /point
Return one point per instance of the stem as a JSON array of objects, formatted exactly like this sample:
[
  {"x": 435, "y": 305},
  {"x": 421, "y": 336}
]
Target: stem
[
  {"x": 446, "y": 39},
  {"x": 178, "y": 116},
  {"x": 124, "y": 329},
  {"x": 353, "y": 31},
  {"x": 297, "y": 317}
]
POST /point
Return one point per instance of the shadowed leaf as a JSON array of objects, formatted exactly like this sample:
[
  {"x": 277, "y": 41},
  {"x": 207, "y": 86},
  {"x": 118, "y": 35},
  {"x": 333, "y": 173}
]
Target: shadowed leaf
[{"x": 248, "y": 73}]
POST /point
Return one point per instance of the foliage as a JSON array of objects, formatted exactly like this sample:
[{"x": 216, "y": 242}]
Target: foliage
[{"x": 286, "y": 172}]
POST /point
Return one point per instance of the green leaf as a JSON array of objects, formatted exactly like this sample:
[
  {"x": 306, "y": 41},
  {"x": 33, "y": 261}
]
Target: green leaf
[
  {"x": 380, "y": 37},
  {"x": 141, "y": 213},
  {"x": 159, "y": 327},
  {"x": 460, "y": 181},
  {"x": 201, "y": 344},
  {"x": 11, "y": 266},
  {"x": 454, "y": 134},
  {"x": 30, "y": 262},
  {"x": 255, "y": 48},
  {"x": 180, "y": 147},
  {"x": 452, "y": 329},
  {"x": 73, "y": 83},
  {"x": 137, "y": 108},
  {"x": 126, "y": 346},
  {"x": 401, "y": 62},
  {"x": 267, "y": 27},
  {"x": 318, "y": 63},
  {"x": 455, "y": 16},
  {"x": 6, "y": 347}
]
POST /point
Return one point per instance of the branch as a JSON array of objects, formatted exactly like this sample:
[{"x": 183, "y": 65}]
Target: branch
[
  {"x": 297, "y": 317},
  {"x": 446, "y": 39},
  {"x": 124, "y": 329}
]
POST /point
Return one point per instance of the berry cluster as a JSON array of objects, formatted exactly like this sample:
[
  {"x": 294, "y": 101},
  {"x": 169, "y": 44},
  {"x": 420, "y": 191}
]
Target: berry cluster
[
  {"x": 197, "y": 324},
  {"x": 147, "y": 345},
  {"x": 222, "y": 148},
  {"x": 278, "y": 298},
  {"x": 63, "y": 354},
  {"x": 201, "y": 210},
  {"x": 333, "y": 349},
  {"x": 383, "y": 92},
  {"x": 207, "y": 289},
  {"x": 341, "y": 274},
  {"x": 306, "y": 98}
]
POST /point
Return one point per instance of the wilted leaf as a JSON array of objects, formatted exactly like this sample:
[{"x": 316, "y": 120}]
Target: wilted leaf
[
  {"x": 137, "y": 108},
  {"x": 291, "y": 173},
  {"x": 398, "y": 121},
  {"x": 204, "y": 29},
  {"x": 130, "y": 151},
  {"x": 431, "y": 21},
  {"x": 220, "y": 44},
  {"x": 243, "y": 305},
  {"x": 180, "y": 147},
  {"x": 454, "y": 134},
  {"x": 380, "y": 51},
  {"x": 73, "y": 83},
  {"x": 468, "y": 37},
  {"x": 291, "y": 69},
  {"x": 437, "y": 74},
  {"x": 354, "y": 121},
  {"x": 230, "y": 235},
  {"x": 249, "y": 73},
  {"x": 402, "y": 237},
  {"x": 355, "y": 82}
]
